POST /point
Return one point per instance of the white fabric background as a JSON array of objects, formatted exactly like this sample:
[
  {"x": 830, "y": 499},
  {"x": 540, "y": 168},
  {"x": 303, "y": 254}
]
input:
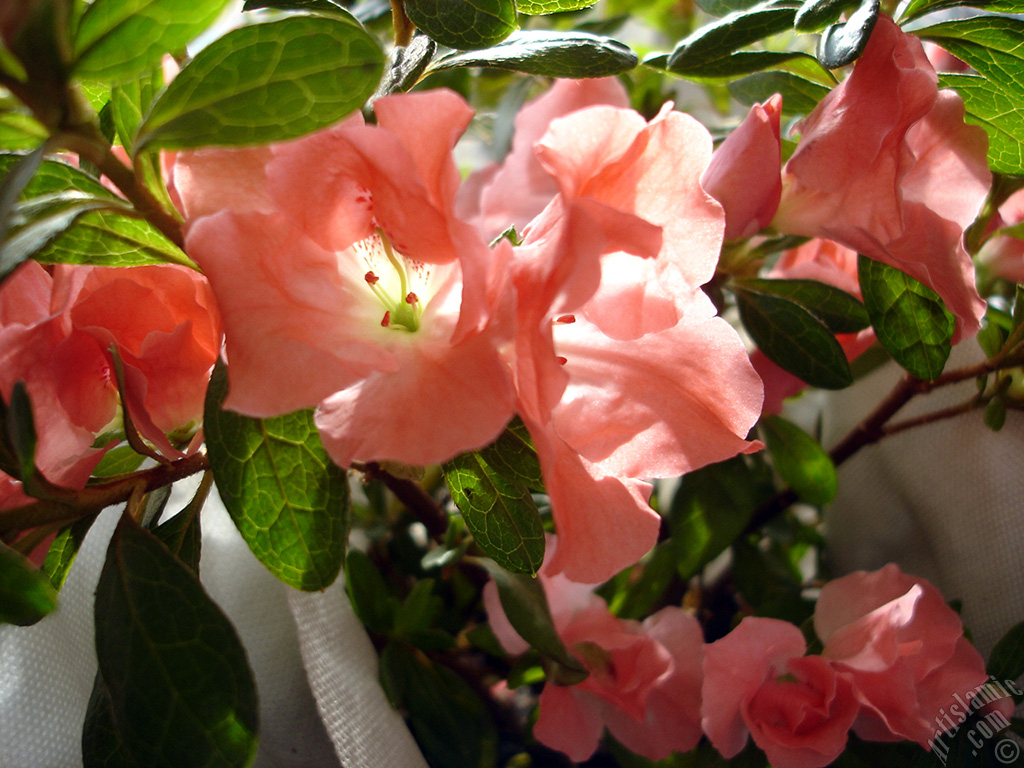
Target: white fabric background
[{"x": 338, "y": 716}]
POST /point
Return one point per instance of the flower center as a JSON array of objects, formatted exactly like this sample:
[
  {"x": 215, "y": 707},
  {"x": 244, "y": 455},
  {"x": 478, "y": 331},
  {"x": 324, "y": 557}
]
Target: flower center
[{"x": 388, "y": 277}]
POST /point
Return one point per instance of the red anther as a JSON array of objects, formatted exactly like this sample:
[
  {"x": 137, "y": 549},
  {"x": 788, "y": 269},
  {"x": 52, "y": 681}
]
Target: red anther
[
  {"x": 565, "y": 319},
  {"x": 562, "y": 360},
  {"x": 371, "y": 278},
  {"x": 386, "y": 321},
  {"x": 411, "y": 298}
]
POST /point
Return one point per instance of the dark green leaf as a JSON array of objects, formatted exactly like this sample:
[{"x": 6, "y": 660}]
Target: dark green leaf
[
  {"x": 841, "y": 44},
  {"x": 549, "y": 54},
  {"x": 17, "y": 174},
  {"x": 182, "y": 534},
  {"x": 449, "y": 720},
  {"x": 26, "y": 595},
  {"x": 799, "y": 95},
  {"x": 288, "y": 500},
  {"x": 711, "y": 508},
  {"x": 794, "y": 338},
  {"x": 20, "y": 432},
  {"x": 406, "y": 66},
  {"x": 61, "y": 554},
  {"x": 526, "y": 607},
  {"x": 101, "y": 743},
  {"x": 647, "y": 583},
  {"x": 181, "y": 690},
  {"x": 995, "y": 413},
  {"x": 320, "y": 6},
  {"x": 909, "y": 318},
  {"x": 722, "y": 38},
  {"x": 464, "y": 24},
  {"x": 538, "y": 7},
  {"x": 266, "y": 82},
  {"x": 720, "y": 8},
  {"x": 373, "y": 603},
  {"x": 1000, "y": 111},
  {"x": 118, "y": 39},
  {"x": 735, "y": 64},
  {"x": 800, "y": 460},
  {"x": 815, "y": 14},
  {"x": 840, "y": 311},
  {"x": 1006, "y": 661}
]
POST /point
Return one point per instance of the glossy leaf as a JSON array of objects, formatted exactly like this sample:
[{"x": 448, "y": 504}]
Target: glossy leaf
[
  {"x": 526, "y": 607},
  {"x": 129, "y": 101},
  {"x": 735, "y": 64},
  {"x": 794, "y": 338},
  {"x": 1000, "y": 111},
  {"x": 720, "y": 8},
  {"x": 464, "y": 24},
  {"x": 840, "y": 311},
  {"x": 910, "y": 9},
  {"x": 814, "y": 15},
  {"x": 909, "y": 318},
  {"x": 266, "y": 82},
  {"x": 537, "y": 7},
  {"x": 842, "y": 44},
  {"x": 722, "y": 38},
  {"x": 799, "y": 95},
  {"x": 181, "y": 690},
  {"x": 549, "y": 54},
  {"x": 285, "y": 496},
  {"x": 17, "y": 173},
  {"x": 26, "y": 594},
  {"x": 63, "y": 549},
  {"x": 800, "y": 460},
  {"x": 117, "y": 39}
]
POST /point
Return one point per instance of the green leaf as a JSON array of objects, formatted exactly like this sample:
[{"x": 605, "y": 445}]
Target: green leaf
[
  {"x": 841, "y": 44},
  {"x": 735, "y": 64},
  {"x": 800, "y": 460},
  {"x": 20, "y": 432},
  {"x": 539, "y": 7},
  {"x": 994, "y": 415},
  {"x": 1000, "y": 112},
  {"x": 17, "y": 175},
  {"x": 449, "y": 720},
  {"x": 129, "y": 101},
  {"x": 118, "y": 461},
  {"x": 799, "y": 95},
  {"x": 118, "y": 39},
  {"x": 373, "y": 603},
  {"x": 794, "y": 338},
  {"x": 63, "y": 549},
  {"x": 26, "y": 594},
  {"x": 182, "y": 534},
  {"x": 712, "y": 507},
  {"x": 840, "y": 311},
  {"x": 815, "y": 14},
  {"x": 549, "y": 54},
  {"x": 180, "y": 687},
  {"x": 720, "y": 8},
  {"x": 266, "y": 82},
  {"x": 464, "y": 24},
  {"x": 526, "y": 607},
  {"x": 1006, "y": 661},
  {"x": 286, "y": 497},
  {"x": 722, "y": 38},
  {"x": 491, "y": 488},
  {"x": 909, "y": 318},
  {"x": 19, "y": 130},
  {"x": 102, "y": 746}
]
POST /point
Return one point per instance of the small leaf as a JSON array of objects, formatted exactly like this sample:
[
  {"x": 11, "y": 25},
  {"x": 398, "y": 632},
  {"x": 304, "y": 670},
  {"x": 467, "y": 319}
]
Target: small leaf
[
  {"x": 129, "y": 101},
  {"x": 540, "y": 7},
  {"x": 800, "y": 460},
  {"x": 373, "y": 603},
  {"x": 734, "y": 65},
  {"x": 26, "y": 594},
  {"x": 799, "y": 95},
  {"x": 118, "y": 39},
  {"x": 464, "y": 24},
  {"x": 840, "y": 311},
  {"x": 1006, "y": 661},
  {"x": 815, "y": 14},
  {"x": 995, "y": 413},
  {"x": 182, "y": 534},
  {"x": 63, "y": 549},
  {"x": 841, "y": 44},
  {"x": 266, "y": 82},
  {"x": 526, "y": 607},
  {"x": 20, "y": 432},
  {"x": 286, "y": 497},
  {"x": 181, "y": 690},
  {"x": 909, "y": 318},
  {"x": 549, "y": 54},
  {"x": 794, "y": 338}
]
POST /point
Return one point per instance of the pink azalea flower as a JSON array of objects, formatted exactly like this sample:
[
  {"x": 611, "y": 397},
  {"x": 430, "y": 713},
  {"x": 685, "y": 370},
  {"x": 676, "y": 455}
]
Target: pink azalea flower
[
  {"x": 346, "y": 281},
  {"x": 759, "y": 683},
  {"x": 902, "y": 648},
  {"x": 1003, "y": 253},
  {"x": 864, "y": 171},
  {"x": 744, "y": 172},
  {"x": 644, "y": 683},
  {"x": 622, "y": 370}
]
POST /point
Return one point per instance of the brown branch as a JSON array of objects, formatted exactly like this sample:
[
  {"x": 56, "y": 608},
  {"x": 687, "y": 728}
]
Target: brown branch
[
  {"x": 402, "y": 25},
  {"x": 416, "y": 500}
]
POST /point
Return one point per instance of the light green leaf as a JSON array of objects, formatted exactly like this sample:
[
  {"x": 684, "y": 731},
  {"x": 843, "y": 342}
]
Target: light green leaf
[
  {"x": 266, "y": 82},
  {"x": 464, "y": 24},
  {"x": 1000, "y": 112},
  {"x": 129, "y": 102},
  {"x": 118, "y": 39},
  {"x": 63, "y": 549},
  {"x": 539, "y": 7},
  {"x": 288, "y": 500},
  {"x": 181, "y": 690},
  {"x": 909, "y": 318},
  {"x": 26, "y": 595},
  {"x": 800, "y": 460},
  {"x": 549, "y": 54},
  {"x": 19, "y": 130}
]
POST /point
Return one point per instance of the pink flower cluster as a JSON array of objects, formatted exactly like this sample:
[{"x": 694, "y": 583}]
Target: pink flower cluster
[
  {"x": 356, "y": 274},
  {"x": 59, "y": 329},
  {"x": 894, "y": 662}
]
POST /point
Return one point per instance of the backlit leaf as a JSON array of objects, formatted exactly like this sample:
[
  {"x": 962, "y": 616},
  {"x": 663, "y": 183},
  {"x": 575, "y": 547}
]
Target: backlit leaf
[{"x": 464, "y": 24}]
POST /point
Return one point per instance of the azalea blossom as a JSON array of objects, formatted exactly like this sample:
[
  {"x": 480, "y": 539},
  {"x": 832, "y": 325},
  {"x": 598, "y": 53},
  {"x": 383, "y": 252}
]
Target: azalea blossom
[
  {"x": 644, "y": 678},
  {"x": 1003, "y": 252},
  {"x": 347, "y": 282},
  {"x": 864, "y": 172}
]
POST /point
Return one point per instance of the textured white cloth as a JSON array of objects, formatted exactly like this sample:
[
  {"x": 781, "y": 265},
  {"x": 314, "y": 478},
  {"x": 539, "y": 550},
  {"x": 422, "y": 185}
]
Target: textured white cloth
[
  {"x": 47, "y": 671},
  {"x": 945, "y": 501}
]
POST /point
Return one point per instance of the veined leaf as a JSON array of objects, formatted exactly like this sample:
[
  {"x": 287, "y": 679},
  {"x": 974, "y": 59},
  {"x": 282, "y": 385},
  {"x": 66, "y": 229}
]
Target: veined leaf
[
  {"x": 266, "y": 82},
  {"x": 800, "y": 460},
  {"x": 1000, "y": 112},
  {"x": 464, "y": 24},
  {"x": 538, "y": 7},
  {"x": 840, "y": 311},
  {"x": 26, "y": 595}
]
